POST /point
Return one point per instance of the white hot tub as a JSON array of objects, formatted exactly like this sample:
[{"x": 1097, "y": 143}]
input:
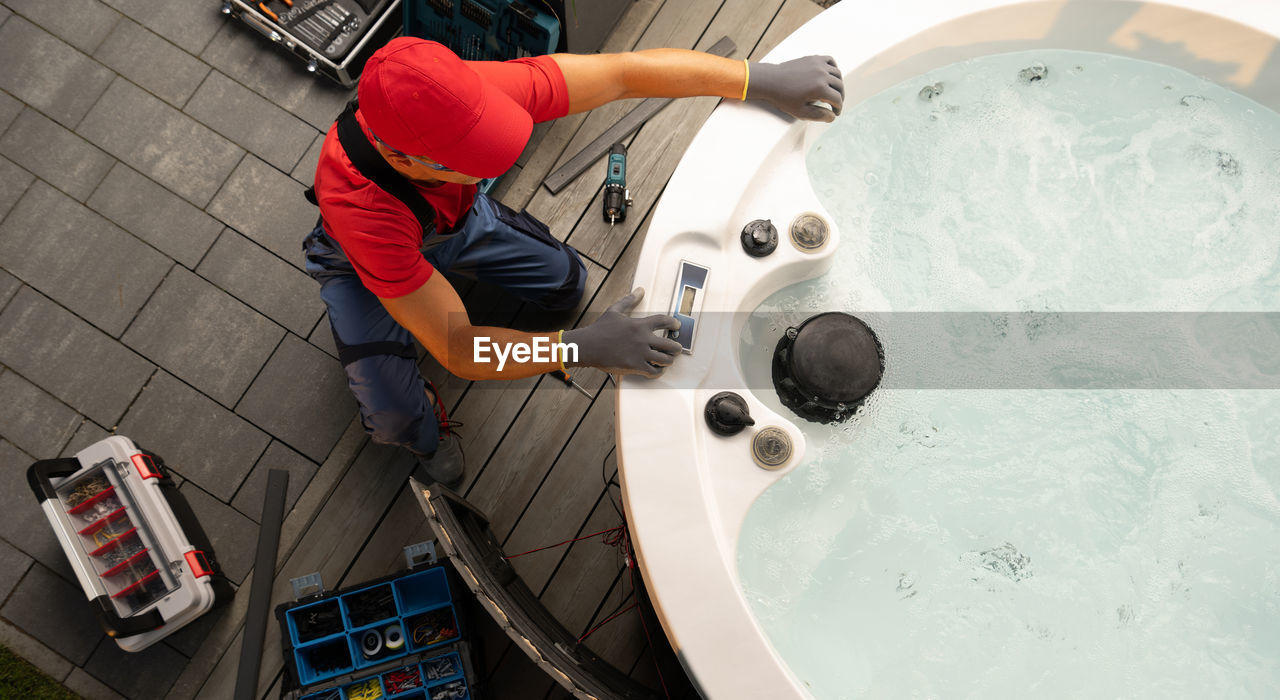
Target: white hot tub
[{"x": 687, "y": 490}]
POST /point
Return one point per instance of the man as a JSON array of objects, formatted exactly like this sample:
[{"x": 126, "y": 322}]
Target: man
[{"x": 396, "y": 186}]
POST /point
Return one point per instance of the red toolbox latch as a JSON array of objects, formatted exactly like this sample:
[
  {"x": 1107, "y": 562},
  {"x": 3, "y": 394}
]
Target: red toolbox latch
[
  {"x": 198, "y": 563},
  {"x": 146, "y": 466}
]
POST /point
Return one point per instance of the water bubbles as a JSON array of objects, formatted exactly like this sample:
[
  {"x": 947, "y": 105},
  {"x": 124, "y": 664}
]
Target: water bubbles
[
  {"x": 1227, "y": 164},
  {"x": 1033, "y": 73},
  {"x": 929, "y": 92},
  {"x": 871, "y": 178},
  {"x": 1004, "y": 560},
  {"x": 906, "y": 585}
]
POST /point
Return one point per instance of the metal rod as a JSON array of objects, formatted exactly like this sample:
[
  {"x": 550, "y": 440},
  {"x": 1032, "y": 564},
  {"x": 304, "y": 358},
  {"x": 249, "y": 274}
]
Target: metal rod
[{"x": 264, "y": 571}]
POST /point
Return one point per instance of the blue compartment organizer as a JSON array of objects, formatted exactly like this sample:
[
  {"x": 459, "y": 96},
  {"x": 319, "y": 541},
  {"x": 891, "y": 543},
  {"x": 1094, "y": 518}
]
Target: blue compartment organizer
[
  {"x": 484, "y": 30},
  {"x": 399, "y": 638}
]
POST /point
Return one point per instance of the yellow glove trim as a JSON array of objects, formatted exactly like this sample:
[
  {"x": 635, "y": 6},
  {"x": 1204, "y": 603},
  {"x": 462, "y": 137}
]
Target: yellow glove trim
[
  {"x": 560, "y": 341},
  {"x": 746, "y": 80}
]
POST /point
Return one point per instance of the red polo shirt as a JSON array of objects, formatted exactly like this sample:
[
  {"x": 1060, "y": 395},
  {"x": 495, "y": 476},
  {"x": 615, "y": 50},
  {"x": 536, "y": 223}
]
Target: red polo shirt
[{"x": 378, "y": 233}]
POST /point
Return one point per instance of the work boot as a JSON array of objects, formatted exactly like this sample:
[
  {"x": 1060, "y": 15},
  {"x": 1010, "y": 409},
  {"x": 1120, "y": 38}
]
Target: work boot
[{"x": 448, "y": 465}]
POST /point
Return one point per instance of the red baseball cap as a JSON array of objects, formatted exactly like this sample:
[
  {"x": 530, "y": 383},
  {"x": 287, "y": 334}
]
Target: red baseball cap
[{"x": 422, "y": 100}]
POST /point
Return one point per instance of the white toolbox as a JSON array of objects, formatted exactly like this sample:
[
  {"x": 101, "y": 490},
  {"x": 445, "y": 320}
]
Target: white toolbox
[{"x": 137, "y": 566}]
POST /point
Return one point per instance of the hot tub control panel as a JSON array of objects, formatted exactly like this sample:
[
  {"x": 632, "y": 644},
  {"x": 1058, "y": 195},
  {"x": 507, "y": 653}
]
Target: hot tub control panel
[{"x": 686, "y": 302}]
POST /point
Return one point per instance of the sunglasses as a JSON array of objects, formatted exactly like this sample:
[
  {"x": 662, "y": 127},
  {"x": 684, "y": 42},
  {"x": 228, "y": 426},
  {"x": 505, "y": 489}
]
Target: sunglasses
[{"x": 433, "y": 166}]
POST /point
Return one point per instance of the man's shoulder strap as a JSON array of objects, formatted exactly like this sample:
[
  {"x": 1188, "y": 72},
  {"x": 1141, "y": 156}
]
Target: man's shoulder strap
[{"x": 373, "y": 167}]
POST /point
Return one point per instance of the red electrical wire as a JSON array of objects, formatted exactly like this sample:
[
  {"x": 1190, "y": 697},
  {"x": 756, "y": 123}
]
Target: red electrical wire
[{"x": 608, "y": 541}]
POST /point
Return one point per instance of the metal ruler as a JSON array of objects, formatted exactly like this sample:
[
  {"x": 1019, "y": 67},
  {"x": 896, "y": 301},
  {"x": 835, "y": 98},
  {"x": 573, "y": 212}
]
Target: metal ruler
[{"x": 631, "y": 121}]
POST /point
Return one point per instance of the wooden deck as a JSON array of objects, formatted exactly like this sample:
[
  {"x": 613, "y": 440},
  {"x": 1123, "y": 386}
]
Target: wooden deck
[{"x": 539, "y": 454}]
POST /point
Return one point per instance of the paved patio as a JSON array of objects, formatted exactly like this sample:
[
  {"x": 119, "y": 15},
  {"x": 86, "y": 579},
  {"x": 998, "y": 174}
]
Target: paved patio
[{"x": 152, "y": 163}]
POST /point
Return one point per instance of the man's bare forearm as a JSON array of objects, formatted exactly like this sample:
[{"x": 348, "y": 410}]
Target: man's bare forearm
[{"x": 597, "y": 79}]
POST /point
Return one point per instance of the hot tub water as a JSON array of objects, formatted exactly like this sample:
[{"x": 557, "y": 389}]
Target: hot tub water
[{"x": 960, "y": 539}]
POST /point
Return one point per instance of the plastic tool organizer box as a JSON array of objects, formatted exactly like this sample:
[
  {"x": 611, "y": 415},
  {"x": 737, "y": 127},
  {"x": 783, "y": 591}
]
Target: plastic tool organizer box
[
  {"x": 401, "y": 637},
  {"x": 485, "y": 30},
  {"x": 114, "y": 519}
]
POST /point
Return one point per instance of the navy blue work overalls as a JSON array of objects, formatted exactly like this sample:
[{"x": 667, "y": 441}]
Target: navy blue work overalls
[{"x": 493, "y": 244}]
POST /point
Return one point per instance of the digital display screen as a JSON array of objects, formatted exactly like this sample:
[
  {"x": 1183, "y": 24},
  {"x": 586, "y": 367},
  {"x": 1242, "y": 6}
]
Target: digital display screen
[{"x": 686, "y": 300}]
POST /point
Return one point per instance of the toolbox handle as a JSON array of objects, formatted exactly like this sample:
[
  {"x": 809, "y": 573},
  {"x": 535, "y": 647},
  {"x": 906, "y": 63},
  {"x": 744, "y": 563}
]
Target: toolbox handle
[
  {"x": 117, "y": 626},
  {"x": 40, "y": 473}
]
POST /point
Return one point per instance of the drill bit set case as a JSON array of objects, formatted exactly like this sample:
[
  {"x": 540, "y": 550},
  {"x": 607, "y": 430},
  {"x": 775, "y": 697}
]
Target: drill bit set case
[
  {"x": 333, "y": 38},
  {"x": 400, "y": 637},
  {"x": 112, "y": 507}
]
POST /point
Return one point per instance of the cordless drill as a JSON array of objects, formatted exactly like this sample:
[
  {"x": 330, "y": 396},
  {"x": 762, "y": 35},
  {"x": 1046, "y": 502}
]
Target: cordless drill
[{"x": 616, "y": 196}]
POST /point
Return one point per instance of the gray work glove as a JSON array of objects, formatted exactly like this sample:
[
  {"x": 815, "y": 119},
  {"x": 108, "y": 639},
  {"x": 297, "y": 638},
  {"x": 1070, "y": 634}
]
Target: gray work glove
[
  {"x": 620, "y": 344},
  {"x": 793, "y": 85}
]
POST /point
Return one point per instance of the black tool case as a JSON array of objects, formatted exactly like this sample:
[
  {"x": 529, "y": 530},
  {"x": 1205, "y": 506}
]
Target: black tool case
[
  {"x": 332, "y": 37},
  {"x": 400, "y": 637},
  {"x": 137, "y": 551}
]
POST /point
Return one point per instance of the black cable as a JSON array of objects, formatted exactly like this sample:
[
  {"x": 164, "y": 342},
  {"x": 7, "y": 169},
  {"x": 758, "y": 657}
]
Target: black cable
[{"x": 604, "y": 476}]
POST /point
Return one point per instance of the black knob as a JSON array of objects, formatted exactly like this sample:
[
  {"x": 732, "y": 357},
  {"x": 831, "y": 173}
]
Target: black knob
[
  {"x": 727, "y": 414},
  {"x": 759, "y": 238}
]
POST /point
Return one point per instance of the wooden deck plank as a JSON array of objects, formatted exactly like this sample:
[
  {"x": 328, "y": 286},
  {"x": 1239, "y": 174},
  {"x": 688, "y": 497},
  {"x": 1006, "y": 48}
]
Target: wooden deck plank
[
  {"x": 660, "y": 144},
  {"x": 517, "y": 191},
  {"x": 586, "y": 573},
  {"x": 567, "y": 495},
  {"x": 678, "y": 25}
]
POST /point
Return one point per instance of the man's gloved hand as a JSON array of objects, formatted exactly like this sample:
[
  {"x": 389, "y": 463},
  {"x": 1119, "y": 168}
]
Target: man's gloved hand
[
  {"x": 620, "y": 344},
  {"x": 791, "y": 86}
]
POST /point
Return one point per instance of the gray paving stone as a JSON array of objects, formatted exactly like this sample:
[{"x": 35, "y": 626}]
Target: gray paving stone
[
  {"x": 9, "y": 107},
  {"x": 79, "y": 259},
  {"x": 262, "y": 280},
  {"x": 55, "y": 612},
  {"x": 322, "y": 335},
  {"x": 13, "y": 182},
  {"x": 187, "y": 23},
  {"x": 233, "y": 536},
  {"x": 24, "y": 523},
  {"x": 301, "y": 397},
  {"x": 160, "y": 142},
  {"x": 81, "y": 23},
  {"x": 155, "y": 215},
  {"x": 86, "y": 434},
  {"x": 4, "y": 13},
  {"x": 63, "y": 159},
  {"x": 305, "y": 171},
  {"x": 88, "y": 687},
  {"x": 37, "y": 654},
  {"x": 187, "y": 640},
  {"x": 267, "y": 206},
  {"x": 197, "y": 438},
  {"x": 245, "y": 117},
  {"x": 48, "y": 74},
  {"x": 154, "y": 64},
  {"x": 32, "y": 419},
  {"x": 8, "y": 287},
  {"x": 79, "y": 364},
  {"x": 248, "y": 499},
  {"x": 249, "y": 59},
  {"x": 13, "y": 564},
  {"x": 203, "y": 336},
  {"x": 144, "y": 674}
]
